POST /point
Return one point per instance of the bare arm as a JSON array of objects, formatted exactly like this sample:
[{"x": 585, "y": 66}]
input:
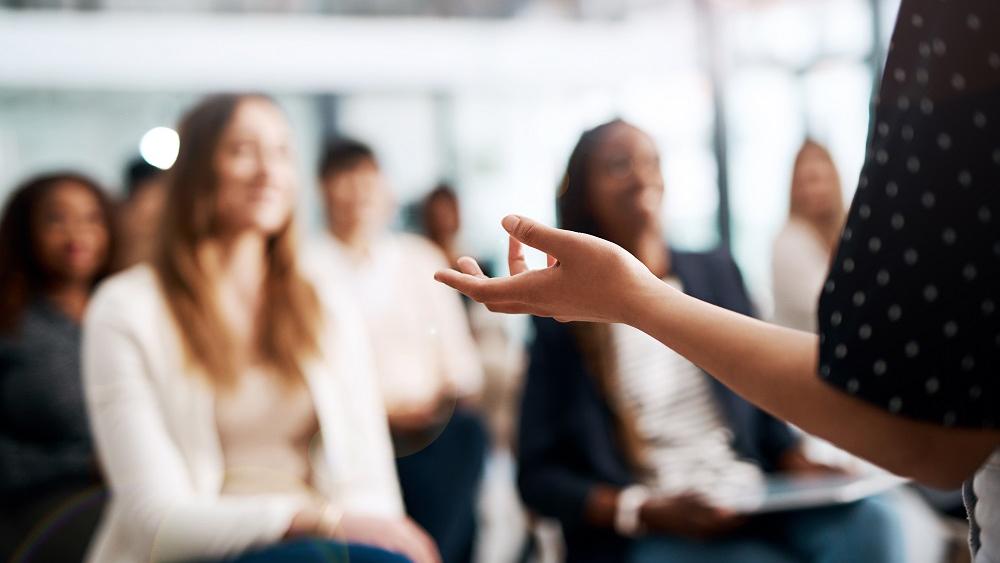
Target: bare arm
[
  {"x": 775, "y": 368},
  {"x": 593, "y": 280}
]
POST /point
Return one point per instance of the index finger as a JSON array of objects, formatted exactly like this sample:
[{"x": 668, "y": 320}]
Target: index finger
[{"x": 515, "y": 257}]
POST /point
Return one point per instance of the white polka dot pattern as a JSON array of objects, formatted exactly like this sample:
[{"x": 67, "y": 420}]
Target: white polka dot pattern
[{"x": 908, "y": 316}]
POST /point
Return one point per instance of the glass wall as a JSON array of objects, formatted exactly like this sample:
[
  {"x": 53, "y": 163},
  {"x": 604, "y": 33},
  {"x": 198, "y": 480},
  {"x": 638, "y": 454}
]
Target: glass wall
[
  {"x": 794, "y": 70},
  {"x": 497, "y": 110}
]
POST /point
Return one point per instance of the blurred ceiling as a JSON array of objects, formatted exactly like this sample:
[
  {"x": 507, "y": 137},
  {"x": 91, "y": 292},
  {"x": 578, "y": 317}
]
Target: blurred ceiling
[
  {"x": 586, "y": 9},
  {"x": 476, "y": 9}
]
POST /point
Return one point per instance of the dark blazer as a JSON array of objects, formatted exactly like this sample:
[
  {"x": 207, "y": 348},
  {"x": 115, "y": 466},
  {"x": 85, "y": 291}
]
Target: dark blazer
[{"x": 567, "y": 440}]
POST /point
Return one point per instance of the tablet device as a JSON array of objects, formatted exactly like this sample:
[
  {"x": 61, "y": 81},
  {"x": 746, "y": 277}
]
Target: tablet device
[{"x": 783, "y": 492}]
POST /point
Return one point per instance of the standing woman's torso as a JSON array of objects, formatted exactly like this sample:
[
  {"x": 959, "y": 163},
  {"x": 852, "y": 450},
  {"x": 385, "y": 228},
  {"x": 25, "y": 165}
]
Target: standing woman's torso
[{"x": 909, "y": 317}]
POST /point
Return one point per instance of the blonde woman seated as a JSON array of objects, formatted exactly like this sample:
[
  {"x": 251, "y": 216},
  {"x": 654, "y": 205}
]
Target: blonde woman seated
[
  {"x": 233, "y": 402},
  {"x": 804, "y": 248}
]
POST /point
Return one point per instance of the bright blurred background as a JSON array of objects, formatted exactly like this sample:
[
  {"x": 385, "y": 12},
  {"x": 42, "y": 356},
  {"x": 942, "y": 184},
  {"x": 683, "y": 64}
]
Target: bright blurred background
[{"x": 489, "y": 95}]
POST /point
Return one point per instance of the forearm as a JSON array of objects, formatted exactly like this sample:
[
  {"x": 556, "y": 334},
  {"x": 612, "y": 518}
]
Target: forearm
[
  {"x": 589, "y": 279},
  {"x": 775, "y": 368}
]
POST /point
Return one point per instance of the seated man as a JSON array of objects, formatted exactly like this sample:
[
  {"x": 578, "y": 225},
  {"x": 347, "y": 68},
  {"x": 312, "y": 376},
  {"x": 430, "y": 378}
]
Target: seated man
[{"x": 428, "y": 365}]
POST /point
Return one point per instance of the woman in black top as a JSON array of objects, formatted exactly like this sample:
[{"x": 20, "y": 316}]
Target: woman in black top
[
  {"x": 909, "y": 350},
  {"x": 55, "y": 245}
]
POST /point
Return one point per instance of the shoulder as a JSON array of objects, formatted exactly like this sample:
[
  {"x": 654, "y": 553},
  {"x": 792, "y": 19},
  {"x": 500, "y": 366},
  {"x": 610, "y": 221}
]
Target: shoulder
[
  {"x": 794, "y": 237},
  {"x": 418, "y": 248},
  {"x": 32, "y": 321},
  {"x": 34, "y": 327},
  {"x": 715, "y": 277},
  {"x": 339, "y": 309},
  {"x": 318, "y": 255},
  {"x": 132, "y": 295},
  {"x": 321, "y": 266},
  {"x": 318, "y": 243}
]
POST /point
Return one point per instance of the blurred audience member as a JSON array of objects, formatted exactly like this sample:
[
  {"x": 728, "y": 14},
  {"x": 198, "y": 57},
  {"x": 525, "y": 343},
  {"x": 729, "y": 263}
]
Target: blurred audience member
[
  {"x": 233, "y": 402},
  {"x": 139, "y": 216},
  {"x": 636, "y": 467},
  {"x": 804, "y": 247},
  {"x": 56, "y": 243},
  {"x": 427, "y": 361},
  {"x": 501, "y": 351},
  {"x": 801, "y": 259},
  {"x": 442, "y": 221}
]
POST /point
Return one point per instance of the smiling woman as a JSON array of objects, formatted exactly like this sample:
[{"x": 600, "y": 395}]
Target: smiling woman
[
  {"x": 233, "y": 402},
  {"x": 632, "y": 447},
  {"x": 235, "y": 175},
  {"x": 904, "y": 372},
  {"x": 56, "y": 243}
]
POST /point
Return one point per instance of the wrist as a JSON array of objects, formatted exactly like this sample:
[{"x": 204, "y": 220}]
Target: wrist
[
  {"x": 330, "y": 518},
  {"x": 305, "y": 522},
  {"x": 601, "y": 505},
  {"x": 628, "y": 513},
  {"x": 640, "y": 301}
]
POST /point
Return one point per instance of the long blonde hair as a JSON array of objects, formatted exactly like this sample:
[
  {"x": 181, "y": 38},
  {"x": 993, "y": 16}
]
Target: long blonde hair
[{"x": 289, "y": 309}]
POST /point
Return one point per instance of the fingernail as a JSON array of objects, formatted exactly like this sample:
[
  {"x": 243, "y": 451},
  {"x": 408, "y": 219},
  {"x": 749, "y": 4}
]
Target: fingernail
[{"x": 510, "y": 222}]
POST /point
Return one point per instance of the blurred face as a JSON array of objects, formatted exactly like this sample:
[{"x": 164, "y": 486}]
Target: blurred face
[
  {"x": 142, "y": 213},
  {"x": 626, "y": 183},
  {"x": 816, "y": 191},
  {"x": 255, "y": 170},
  {"x": 71, "y": 233},
  {"x": 442, "y": 217},
  {"x": 357, "y": 200}
]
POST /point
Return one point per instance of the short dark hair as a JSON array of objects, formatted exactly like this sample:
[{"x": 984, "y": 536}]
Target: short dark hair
[
  {"x": 441, "y": 190},
  {"x": 137, "y": 173},
  {"x": 343, "y": 154}
]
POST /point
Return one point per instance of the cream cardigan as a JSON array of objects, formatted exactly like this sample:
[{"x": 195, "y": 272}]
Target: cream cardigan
[{"x": 154, "y": 428}]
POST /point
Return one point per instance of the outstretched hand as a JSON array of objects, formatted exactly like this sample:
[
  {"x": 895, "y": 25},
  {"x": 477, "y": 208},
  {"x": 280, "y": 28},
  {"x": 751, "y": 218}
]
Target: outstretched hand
[{"x": 587, "y": 278}]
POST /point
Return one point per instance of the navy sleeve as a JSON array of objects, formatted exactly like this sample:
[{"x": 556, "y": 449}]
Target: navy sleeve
[
  {"x": 730, "y": 290},
  {"x": 548, "y": 483},
  {"x": 775, "y": 438}
]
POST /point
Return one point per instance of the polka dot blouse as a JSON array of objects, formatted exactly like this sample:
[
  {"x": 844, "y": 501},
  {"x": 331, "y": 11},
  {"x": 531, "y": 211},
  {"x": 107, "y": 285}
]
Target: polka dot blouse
[{"x": 910, "y": 314}]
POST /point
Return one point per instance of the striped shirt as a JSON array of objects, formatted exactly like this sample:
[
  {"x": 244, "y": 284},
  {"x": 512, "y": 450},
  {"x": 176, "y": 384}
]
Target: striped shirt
[{"x": 686, "y": 440}]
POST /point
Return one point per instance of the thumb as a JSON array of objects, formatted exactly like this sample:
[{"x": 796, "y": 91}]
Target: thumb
[{"x": 555, "y": 242}]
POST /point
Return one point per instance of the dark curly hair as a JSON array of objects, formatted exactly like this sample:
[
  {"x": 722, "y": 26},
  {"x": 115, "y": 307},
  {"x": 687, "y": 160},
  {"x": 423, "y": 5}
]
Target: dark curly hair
[{"x": 22, "y": 276}]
